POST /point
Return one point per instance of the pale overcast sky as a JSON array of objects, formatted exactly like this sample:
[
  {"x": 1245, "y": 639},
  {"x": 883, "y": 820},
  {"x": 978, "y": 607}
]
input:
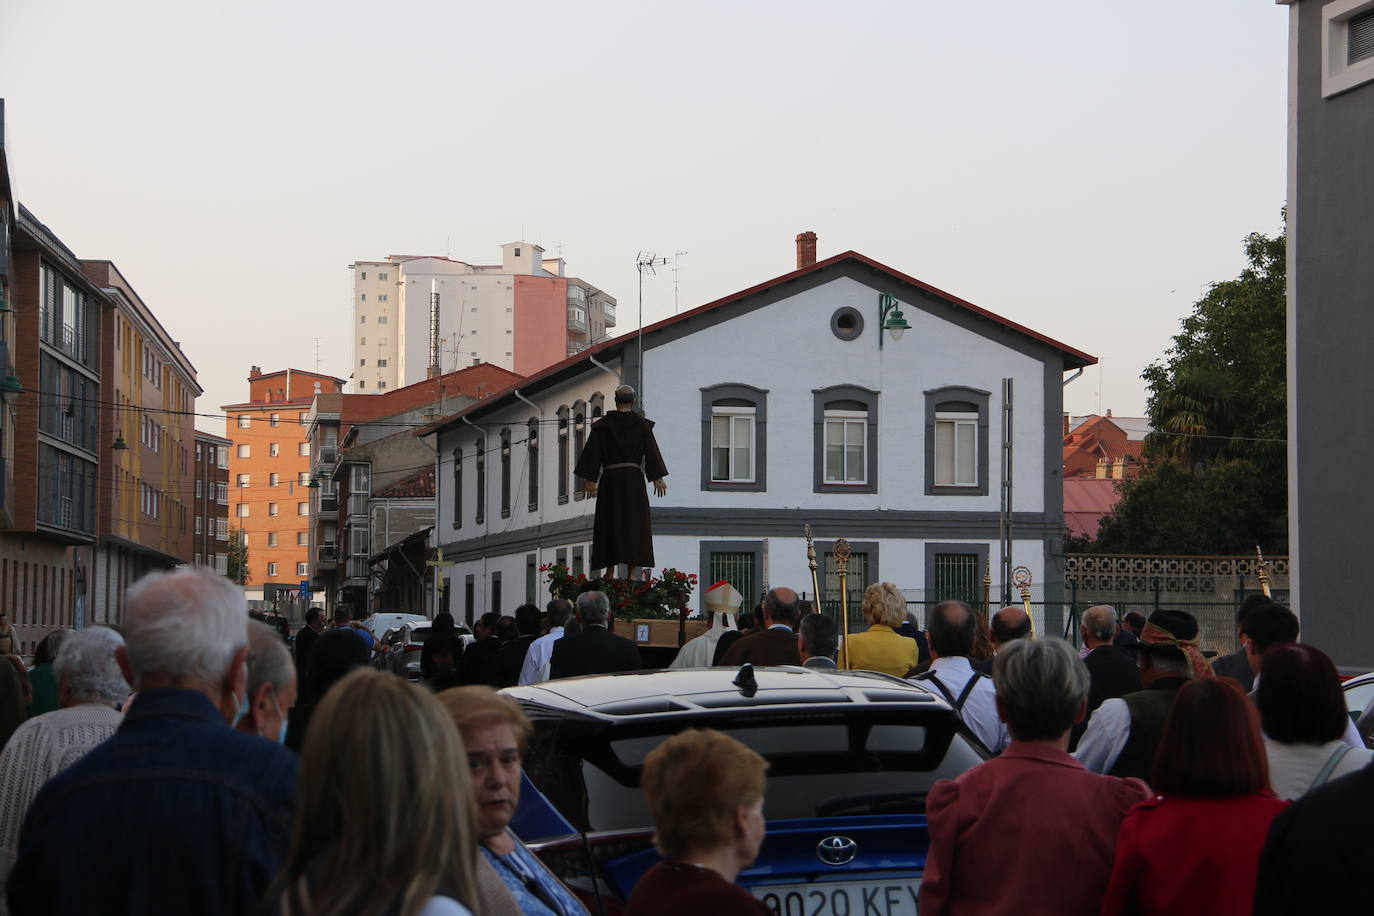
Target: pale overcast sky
[{"x": 1083, "y": 168}]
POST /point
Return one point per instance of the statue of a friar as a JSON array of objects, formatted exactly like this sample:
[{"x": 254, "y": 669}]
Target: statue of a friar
[{"x": 619, "y": 456}]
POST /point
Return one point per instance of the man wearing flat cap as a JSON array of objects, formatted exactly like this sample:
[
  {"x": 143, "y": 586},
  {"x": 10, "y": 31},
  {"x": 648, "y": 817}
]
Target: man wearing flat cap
[
  {"x": 722, "y": 603},
  {"x": 619, "y": 456},
  {"x": 1123, "y": 734}
]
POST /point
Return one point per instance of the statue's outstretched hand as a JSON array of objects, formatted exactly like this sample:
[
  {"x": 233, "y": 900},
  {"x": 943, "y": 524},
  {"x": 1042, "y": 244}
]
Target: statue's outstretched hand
[{"x": 660, "y": 488}]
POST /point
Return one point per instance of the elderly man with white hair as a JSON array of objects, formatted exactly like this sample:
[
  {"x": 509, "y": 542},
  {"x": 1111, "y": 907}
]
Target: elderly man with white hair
[
  {"x": 178, "y": 812},
  {"x": 271, "y": 684},
  {"x": 89, "y": 687}
]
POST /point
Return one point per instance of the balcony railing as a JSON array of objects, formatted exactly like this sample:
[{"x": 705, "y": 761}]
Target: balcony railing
[
  {"x": 329, "y": 503},
  {"x": 609, "y": 309},
  {"x": 329, "y": 454},
  {"x": 577, "y": 319},
  {"x": 357, "y": 504},
  {"x": 329, "y": 555}
]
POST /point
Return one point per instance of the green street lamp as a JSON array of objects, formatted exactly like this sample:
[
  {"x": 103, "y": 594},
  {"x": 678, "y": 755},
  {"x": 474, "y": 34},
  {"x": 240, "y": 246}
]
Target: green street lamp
[{"x": 890, "y": 319}]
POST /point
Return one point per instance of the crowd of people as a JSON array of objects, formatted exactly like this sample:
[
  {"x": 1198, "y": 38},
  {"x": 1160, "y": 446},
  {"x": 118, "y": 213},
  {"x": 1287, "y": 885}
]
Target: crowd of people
[{"x": 190, "y": 764}]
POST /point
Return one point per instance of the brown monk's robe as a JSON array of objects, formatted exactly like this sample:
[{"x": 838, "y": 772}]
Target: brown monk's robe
[{"x": 620, "y": 533}]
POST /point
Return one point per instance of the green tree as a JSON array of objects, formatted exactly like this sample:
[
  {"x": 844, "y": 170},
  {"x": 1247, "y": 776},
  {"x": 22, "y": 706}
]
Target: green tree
[
  {"x": 1215, "y": 479},
  {"x": 238, "y": 556}
]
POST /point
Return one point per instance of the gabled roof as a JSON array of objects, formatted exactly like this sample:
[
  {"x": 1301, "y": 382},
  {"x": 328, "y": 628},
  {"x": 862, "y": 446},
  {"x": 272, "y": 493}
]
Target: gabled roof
[
  {"x": 1073, "y": 358},
  {"x": 419, "y": 485}
]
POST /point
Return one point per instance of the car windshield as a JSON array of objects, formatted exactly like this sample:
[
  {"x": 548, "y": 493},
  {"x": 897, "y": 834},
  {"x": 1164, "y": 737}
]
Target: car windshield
[
  {"x": 821, "y": 764},
  {"x": 418, "y": 635}
]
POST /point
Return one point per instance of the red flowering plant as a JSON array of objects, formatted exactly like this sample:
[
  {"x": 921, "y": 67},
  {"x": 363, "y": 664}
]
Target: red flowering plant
[{"x": 662, "y": 597}]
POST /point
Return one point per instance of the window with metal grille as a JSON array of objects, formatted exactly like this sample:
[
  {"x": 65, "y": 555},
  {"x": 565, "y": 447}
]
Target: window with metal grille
[
  {"x": 857, "y": 578},
  {"x": 505, "y": 473},
  {"x": 957, "y": 578},
  {"x": 740, "y": 569},
  {"x": 1360, "y": 38},
  {"x": 532, "y": 460}
]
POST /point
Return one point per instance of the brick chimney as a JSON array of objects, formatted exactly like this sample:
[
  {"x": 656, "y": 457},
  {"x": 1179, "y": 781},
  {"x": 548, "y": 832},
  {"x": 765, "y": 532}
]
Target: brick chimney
[
  {"x": 254, "y": 371},
  {"x": 806, "y": 249}
]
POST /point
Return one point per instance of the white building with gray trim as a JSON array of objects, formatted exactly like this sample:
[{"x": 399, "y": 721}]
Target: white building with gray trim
[{"x": 776, "y": 407}]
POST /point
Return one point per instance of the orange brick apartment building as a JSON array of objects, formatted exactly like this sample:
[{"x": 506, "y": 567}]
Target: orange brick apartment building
[{"x": 269, "y": 475}]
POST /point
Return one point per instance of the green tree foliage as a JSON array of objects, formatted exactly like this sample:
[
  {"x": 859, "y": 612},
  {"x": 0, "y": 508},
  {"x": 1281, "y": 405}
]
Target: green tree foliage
[
  {"x": 1215, "y": 479},
  {"x": 238, "y": 556}
]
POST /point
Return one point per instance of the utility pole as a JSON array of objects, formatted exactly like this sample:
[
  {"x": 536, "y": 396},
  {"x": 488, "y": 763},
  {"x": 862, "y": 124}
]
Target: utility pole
[{"x": 677, "y": 259}]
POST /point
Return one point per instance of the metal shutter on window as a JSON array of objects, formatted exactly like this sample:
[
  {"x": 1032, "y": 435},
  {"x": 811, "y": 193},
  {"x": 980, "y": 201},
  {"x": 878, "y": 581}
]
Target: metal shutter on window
[{"x": 1361, "y": 38}]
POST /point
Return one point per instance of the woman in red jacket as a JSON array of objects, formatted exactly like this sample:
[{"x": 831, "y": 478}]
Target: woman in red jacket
[{"x": 1195, "y": 846}]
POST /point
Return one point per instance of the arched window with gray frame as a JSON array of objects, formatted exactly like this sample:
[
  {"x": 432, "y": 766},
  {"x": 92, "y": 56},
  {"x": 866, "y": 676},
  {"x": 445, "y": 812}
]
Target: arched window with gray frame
[
  {"x": 956, "y": 441},
  {"x": 846, "y": 439},
  {"x": 734, "y": 441}
]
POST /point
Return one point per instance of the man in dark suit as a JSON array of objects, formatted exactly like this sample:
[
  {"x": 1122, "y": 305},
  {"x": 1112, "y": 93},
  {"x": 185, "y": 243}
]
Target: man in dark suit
[
  {"x": 507, "y": 661},
  {"x": 595, "y": 650},
  {"x": 305, "y": 640},
  {"x": 1114, "y": 673},
  {"x": 470, "y": 666},
  {"x": 1317, "y": 856},
  {"x": 776, "y": 644}
]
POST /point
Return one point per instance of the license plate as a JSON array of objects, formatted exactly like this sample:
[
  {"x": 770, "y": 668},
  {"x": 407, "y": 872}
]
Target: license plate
[{"x": 896, "y": 897}]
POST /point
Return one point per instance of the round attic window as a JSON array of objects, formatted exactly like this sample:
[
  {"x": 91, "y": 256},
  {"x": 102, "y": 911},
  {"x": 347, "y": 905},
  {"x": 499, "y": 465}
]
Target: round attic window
[{"x": 847, "y": 323}]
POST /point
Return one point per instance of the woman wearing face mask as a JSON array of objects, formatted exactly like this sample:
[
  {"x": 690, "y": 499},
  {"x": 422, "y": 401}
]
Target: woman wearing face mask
[{"x": 271, "y": 684}]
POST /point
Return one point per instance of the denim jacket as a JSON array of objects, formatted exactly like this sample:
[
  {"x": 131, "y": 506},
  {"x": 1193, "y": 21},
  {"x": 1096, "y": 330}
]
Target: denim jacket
[{"x": 176, "y": 813}]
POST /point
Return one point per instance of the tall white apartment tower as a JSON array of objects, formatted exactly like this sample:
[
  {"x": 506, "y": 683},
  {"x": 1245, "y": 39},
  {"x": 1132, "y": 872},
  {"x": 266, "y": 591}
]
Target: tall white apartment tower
[{"x": 523, "y": 314}]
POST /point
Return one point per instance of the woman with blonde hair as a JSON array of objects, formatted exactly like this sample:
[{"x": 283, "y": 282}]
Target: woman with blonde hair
[
  {"x": 511, "y": 881},
  {"x": 384, "y": 823},
  {"x": 881, "y": 647}
]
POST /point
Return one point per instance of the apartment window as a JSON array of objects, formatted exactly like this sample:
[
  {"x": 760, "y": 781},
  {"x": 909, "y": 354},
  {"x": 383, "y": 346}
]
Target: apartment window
[
  {"x": 846, "y": 434},
  {"x": 382, "y": 298},
  {"x": 222, "y": 493},
  {"x": 563, "y": 454},
  {"x": 381, "y": 364},
  {"x": 222, "y": 564},
  {"x": 271, "y": 569},
  {"x": 199, "y": 489},
  {"x": 362, "y": 319},
  {"x": 579, "y": 439},
  {"x": 242, "y": 510},
  {"x": 956, "y": 441},
  {"x": 245, "y": 421},
  {"x": 271, "y": 508},
  {"x": 381, "y": 385},
  {"x": 734, "y": 419},
  {"x": 198, "y": 451},
  {"x": 221, "y": 529},
  {"x": 1347, "y": 45},
  {"x": 199, "y": 524},
  {"x": 273, "y": 479},
  {"x": 243, "y": 480},
  {"x": 304, "y": 479},
  {"x": 222, "y": 457},
  {"x": 382, "y": 276},
  {"x": 532, "y": 461},
  {"x": 303, "y": 508},
  {"x": 271, "y": 539},
  {"x": 458, "y": 487},
  {"x": 505, "y": 473},
  {"x": 363, "y": 297},
  {"x": 197, "y": 561},
  {"x": 276, "y": 419},
  {"x": 362, "y": 362},
  {"x": 362, "y": 341},
  {"x": 273, "y": 449},
  {"x": 364, "y": 273},
  {"x": 302, "y": 539},
  {"x": 301, "y": 419},
  {"x": 481, "y": 493},
  {"x": 245, "y": 451},
  {"x": 381, "y": 319},
  {"x": 302, "y": 569},
  {"x": 303, "y": 449}
]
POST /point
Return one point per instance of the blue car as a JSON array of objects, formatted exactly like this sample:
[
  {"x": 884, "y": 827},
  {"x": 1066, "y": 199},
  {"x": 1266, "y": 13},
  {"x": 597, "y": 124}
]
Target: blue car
[{"x": 851, "y": 757}]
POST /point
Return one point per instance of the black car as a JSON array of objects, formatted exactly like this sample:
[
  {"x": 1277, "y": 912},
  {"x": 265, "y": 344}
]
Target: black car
[{"x": 851, "y": 757}]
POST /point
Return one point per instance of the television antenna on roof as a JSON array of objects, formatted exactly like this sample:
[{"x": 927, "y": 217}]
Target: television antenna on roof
[{"x": 645, "y": 262}]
